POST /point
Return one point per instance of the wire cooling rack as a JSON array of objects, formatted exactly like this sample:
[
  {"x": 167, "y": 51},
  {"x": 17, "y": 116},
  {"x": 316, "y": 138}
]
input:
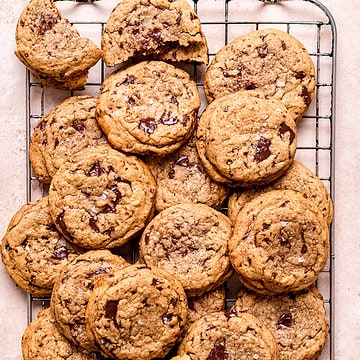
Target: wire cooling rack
[{"x": 222, "y": 20}]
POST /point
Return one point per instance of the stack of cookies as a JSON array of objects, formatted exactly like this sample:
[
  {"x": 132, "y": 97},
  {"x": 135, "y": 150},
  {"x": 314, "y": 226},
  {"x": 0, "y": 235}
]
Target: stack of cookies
[{"x": 198, "y": 198}]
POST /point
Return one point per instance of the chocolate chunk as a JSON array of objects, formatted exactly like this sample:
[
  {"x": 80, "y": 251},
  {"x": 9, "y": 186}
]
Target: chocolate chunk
[
  {"x": 111, "y": 309},
  {"x": 285, "y": 320},
  {"x": 226, "y": 74},
  {"x": 155, "y": 35},
  {"x": 155, "y": 282},
  {"x": 171, "y": 173},
  {"x": 304, "y": 249},
  {"x": 98, "y": 271},
  {"x": 186, "y": 119},
  {"x": 167, "y": 119},
  {"x": 283, "y": 45},
  {"x": 284, "y": 129},
  {"x": 117, "y": 193},
  {"x": 306, "y": 95},
  {"x": 183, "y": 161},
  {"x": 148, "y": 125},
  {"x": 174, "y": 100},
  {"x": 127, "y": 81},
  {"x": 51, "y": 227},
  {"x": 78, "y": 126},
  {"x": 131, "y": 101},
  {"x": 42, "y": 125},
  {"x": 60, "y": 222},
  {"x": 93, "y": 223},
  {"x": 95, "y": 170},
  {"x": 262, "y": 149},
  {"x": 299, "y": 75},
  {"x": 24, "y": 244},
  {"x": 262, "y": 51},
  {"x": 47, "y": 22},
  {"x": 285, "y": 242},
  {"x": 266, "y": 226},
  {"x": 60, "y": 253},
  {"x": 167, "y": 318},
  {"x": 218, "y": 352},
  {"x": 250, "y": 85}
]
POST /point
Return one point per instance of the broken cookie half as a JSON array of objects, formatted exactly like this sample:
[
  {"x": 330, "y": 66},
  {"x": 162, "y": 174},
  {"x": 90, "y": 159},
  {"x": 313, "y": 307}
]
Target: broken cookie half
[
  {"x": 52, "y": 49},
  {"x": 156, "y": 29}
]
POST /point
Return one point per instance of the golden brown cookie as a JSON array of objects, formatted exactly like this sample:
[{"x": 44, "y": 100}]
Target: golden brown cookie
[
  {"x": 245, "y": 139},
  {"x": 148, "y": 108},
  {"x": 269, "y": 60},
  {"x": 33, "y": 250},
  {"x": 298, "y": 177},
  {"x": 181, "y": 178},
  {"x": 136, "y": 314},
  {"x": 102, "y": 198},
  {"x": 280, "y": 243},
  {"x": 190, "y": 242},
  {"x": 68, "y": 128},
  {"x": 72, "y": 290},
  {"x": 51, "y": 48},
  {"x": 163, "y": 30},
  {"x": 297, "y": 320},
  {"x": 229, "y": 335}
]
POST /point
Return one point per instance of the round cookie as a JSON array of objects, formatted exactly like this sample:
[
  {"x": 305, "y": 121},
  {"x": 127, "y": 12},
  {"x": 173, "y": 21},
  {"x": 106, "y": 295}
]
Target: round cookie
[
  {"x": 101, "y": 198},
  {"x": 229, "y": 335},
  {"x": 245, "y": 139},
  {"x": 66, "y": 129},
  {"x": 181, "y": 178},
  {"x": 33, "y": 251},
  {"x": 269, "y": 60},
  {"x": 190, "y": 242},
  {"x": 136, "y": 314},
  {"x": 73, "y": 287},
  {"x": 280, "y": 243},
  {"x": 148, "y": 108},
  {"x": 42, "y": 340},
  {"x": 50, "y": 46},
  {"x": 166, "y": 30},
  {"x": 298, "y": 177},
  {"x": 297, "y": 320}
]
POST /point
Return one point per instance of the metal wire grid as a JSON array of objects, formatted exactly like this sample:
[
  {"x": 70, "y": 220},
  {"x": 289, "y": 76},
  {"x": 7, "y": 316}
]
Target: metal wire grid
[{"x": 317, "y": 152}]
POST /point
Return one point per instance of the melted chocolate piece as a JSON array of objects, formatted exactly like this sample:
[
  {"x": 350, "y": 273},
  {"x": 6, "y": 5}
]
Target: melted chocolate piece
[
  {"x": 285, "y": 242},
  {"x": 262, "y": 149},
  {"x": 283, "y": 45},
  {"x": 111, "y": 309},
  {"x": 60, "y": 253},
  {"x": 167, "y": 318},
  {"x": 93, "y": 223},
  {"x": 250, "y": 85},
  {"x": 171, "y": 173},
  {"x": 42, "y": 125},
  {"x": 285, "y": 320},
  {"x": 131, "y": 101},
  {"x": 167, "y": 119},
  {"x": 95, "y": 170},
  {"x": 24, "y": 244},
  {"x": 262, "y": 51},
  {"x": 78, "y": 126},
  {"x": 218, "y": 352},
  {"x": 284, "y": 129},
  {"x": 299, "y": 75},
  {"x": 51, "y": 227},
  {"x": 148, "y": 125},
  {"x": 306, "y": 95},
  {"x": 60, "y": 222},
  {"x": 266, "y": 226},
  {"x": 186, "y": 119},
  {"x": 304, "y": 249},
  {"x": 127, "y": 81},
  {"x": 155, "y": 282}
]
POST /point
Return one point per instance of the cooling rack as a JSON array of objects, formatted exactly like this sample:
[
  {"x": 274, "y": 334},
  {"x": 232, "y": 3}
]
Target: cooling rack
[{"x": 222, "y": 20}]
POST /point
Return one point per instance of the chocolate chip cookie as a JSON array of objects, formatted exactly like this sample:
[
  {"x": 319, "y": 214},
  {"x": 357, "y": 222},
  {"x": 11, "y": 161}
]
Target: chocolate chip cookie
[
  {"x": 66, "y": 129},
  {"x": 298, "y": 177},
  {"x": 280, "y": 243},
  {"x": 33, "y": 250},
  {"x": 163, "y": 30},
  {"x": 73, "y": 287},
  {"x": 51, "y": 48},
  {"x": 297, "y": 320},
  {"x": 137, "y": 314},
  {"x": 42, "y": 340},
  {"x": 190, "y": 242},
  {"x": 229, "y": 335},
  {"x": 181, "y": 178},
  {"x": 245, "y": 139},
  {"x": 101, "y": 198},
  {"x": 148, "y": 108},
  {"x": 269, "y": 60}
]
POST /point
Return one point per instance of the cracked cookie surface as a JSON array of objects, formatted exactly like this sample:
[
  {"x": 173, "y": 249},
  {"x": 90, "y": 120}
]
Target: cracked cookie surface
[
  {"x": 148, "y": 108},
  {"x": 66, "y": 129},
  {"x": 229, "y": 335},
  {"x": 33, "y": 250},
  {"x": 297, "y": 320},
  {"x": 269, "y": 60},
  {"x": 72, "y": 290},
  {"x": 163, "y": 30},
  {"x": 102, "y": 198},
  {"x": 280, "y": 243},
  {"x": 190, "y": 242},
  {"x": 137, "y": 314},
  {"x": 244, "y": 139}
]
